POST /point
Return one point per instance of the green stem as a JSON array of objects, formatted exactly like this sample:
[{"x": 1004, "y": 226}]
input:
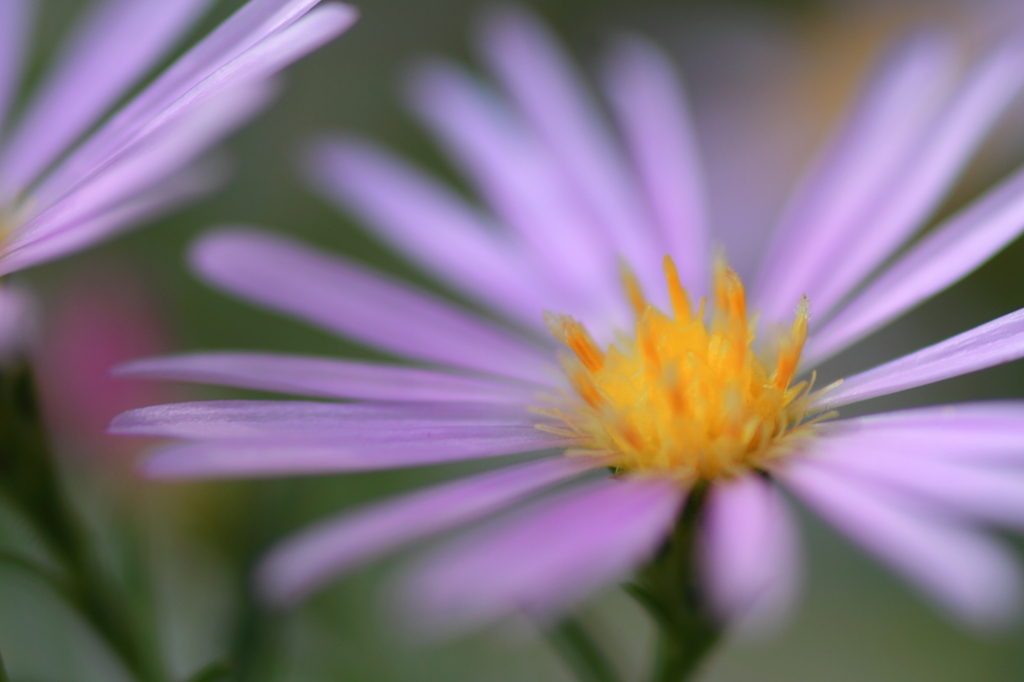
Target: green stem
[
  {"x": 571, "y": 639},
  {"x": 669, "y": 589},
  {"x": 29, "y": 477}
]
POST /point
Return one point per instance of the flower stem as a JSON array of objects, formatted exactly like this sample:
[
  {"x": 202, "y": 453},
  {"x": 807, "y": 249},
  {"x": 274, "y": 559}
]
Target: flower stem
[
  {"x": 29, "y": 478},
  {"x": 571, "y": 639},
  {"x": 668, "y": 589}
]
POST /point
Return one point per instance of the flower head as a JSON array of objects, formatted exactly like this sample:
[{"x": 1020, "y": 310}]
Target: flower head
[
  {"x": 643, "y": 392},
  {"x": 75, "y": 168}
]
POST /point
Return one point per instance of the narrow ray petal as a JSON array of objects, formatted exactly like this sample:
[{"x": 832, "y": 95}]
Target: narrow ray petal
[
  {"x": 993, "y": 343},
  {"x": 353, "y": 301},
  {"x": 751, "y": 560},
  {"x": 543, "y": 558},
  {"x": 651, "y": 108},
  {"x": 307, "y": 561},
  {"x": 943, "y": 257},
  {"x": 116, "y": 44},
  {"x": 328, "y": 378},
  {"x": 267, "y": 457},
  {"x": 967, "y": 573}
]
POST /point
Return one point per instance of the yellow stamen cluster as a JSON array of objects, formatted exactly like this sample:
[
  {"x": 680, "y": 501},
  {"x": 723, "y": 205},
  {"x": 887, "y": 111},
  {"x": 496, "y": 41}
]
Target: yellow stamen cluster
[{"x": 683, "y": 398}]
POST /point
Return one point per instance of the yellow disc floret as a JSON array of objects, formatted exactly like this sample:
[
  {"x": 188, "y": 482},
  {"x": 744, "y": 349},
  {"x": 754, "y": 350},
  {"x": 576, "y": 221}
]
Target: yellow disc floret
[{"x": 683, "y": 397}]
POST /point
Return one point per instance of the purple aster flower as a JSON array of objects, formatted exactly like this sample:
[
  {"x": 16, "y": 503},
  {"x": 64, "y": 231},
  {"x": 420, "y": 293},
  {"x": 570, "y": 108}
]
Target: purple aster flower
[
  {"x": 637, "y": 395},
  {"x": 74, "y": 169}
]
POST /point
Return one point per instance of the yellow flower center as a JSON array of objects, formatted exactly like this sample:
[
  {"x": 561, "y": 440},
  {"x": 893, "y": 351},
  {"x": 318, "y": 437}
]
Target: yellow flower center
[{"x": 683, "y": 397}]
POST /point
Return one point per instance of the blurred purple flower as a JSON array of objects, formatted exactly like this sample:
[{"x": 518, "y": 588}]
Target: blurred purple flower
[
  {"x": 73, "y": 172},
  {"x": 566, "y": 200}
]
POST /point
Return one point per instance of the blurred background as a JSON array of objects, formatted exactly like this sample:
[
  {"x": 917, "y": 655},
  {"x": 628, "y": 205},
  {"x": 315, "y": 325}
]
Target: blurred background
[{"x": 766, "y": 78}]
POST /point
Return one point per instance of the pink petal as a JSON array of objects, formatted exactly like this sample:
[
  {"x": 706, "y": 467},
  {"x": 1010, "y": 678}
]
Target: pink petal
[
  {"x": 856, "y": 166},
  {"x": 431, "y": 225},
  {"x": 328, "y": 378},
  {"x": 356, "y": 302},
  {"x": 966, "y": 572},
  {"x": 646, "y": 95},
  {"x": 750, "y": 553},
  {"x": 309, "y": 560},
  {"x": 116, "y": 44},
  {"x": 946, "y": 254},
  {"x": 543, "y": 558},
  {"x": 993, "y": 343},
  {"x": 540, "y": 79},
  {"x": 289, "y": 456}
]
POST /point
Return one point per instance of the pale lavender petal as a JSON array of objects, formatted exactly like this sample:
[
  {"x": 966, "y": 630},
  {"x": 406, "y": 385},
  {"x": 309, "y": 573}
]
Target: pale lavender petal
[
  {"x": 329, "y": 378},
  {"x": 647, "y": 96},
  {"x": 926, "y": 176},
  {"x": 289, "y": 457},
  {"x": 540, "y": 78},
  {"x": 993, "y": 343},
  {"x": 195, "y": 181},
  {"x": 233, "y": 419},
  {"x": 962, "y": 569},
  {"x": 429, "y": 224},
  {"x": 309, "y": 560},
  {"x": 943, "y": 257},
  {"x": 18, "y": 318},
  {"x": 353, "y": 301},
  {"x": 964, "y": 488},
  {"x": 79, "y": 217},
  {"x": 15, "y": 28},
  {"x": 856, "y": 165},
  {"x": 518, "y": 177},
  {"x": 750, "y": 559},
  {"x": 116, "y": 44},
  {"x": 543, "y": 558},
  {"x": 261, "y": 38},
  {"x": 984, "y": 434}
]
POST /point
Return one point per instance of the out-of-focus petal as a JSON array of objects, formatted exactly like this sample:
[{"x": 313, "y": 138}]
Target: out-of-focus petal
[
  {"x": 17, "y": 323},
  {"x": 969, "y": 574},
  {"x": 116, "y": 44},
  {"x": 993, "y": 343},
  {"x": 543, "y": 558},
  {"x": 751, "y": 560},
  {"x": 543, "y": 83},
  {"x": 307, "y": 561},
  {"x": 413, "y": 447},
  {"x": 328, "y": 378},
  {"x": 430, "y": 225},
  {"x": 15, "y": 28},
  {"x": 878, "y": 133},
  {"x": 353, "y": 301},
  {"x": 945, "y": 255},
  {"x": 227, "y": 419},
  {"x": 645, "y": 92}
]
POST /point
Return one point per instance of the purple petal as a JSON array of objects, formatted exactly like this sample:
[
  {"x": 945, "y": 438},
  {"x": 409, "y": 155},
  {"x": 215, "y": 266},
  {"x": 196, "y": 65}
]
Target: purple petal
[
  {"x": 289, "y": 456},
  {"x": 259, "y": 39},
  {"x": 15, "y": 28},
  {"x": 518, "y": 177},
  {"x": 945, "y": 255},
  {"x": 306, "y": 562},
  {"x": 328, "y": 378},
  {"x": 646, "y": 94},
  {"x": 430, "y": 225},
  {"x": 966, "y": 572},
  {"x": 17, "y": 322},
  {"x": 993, "y": 343},
  {"x": 926, "y": 176},
  {"x": 540, "y": 78},
  {"x": 751, "y": 553},
  {"x": 356, "y": 302},
  {"x": 298, "y": 420},
  {"x": 855, "y": 167},
  {"x": 543, "y": 558},
  {"x": 116, "y": 44},
  {"x": 73, "y": 219}
]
